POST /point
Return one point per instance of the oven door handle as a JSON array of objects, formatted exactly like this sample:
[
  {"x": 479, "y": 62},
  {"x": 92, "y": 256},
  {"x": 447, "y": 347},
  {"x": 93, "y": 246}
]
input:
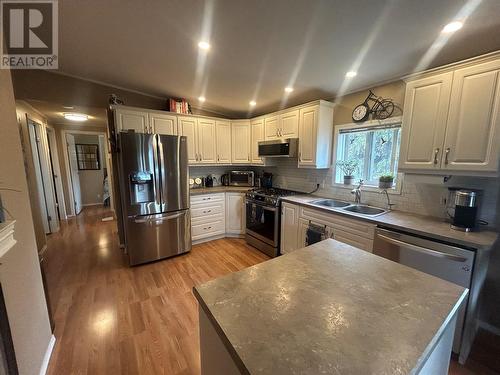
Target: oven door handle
[
  {"x": 264, "y": 207},
  {"x": 421, "y": 249}
]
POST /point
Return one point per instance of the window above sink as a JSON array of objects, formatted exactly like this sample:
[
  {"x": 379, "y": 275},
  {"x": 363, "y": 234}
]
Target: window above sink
[{"x": 374, "y": 145}]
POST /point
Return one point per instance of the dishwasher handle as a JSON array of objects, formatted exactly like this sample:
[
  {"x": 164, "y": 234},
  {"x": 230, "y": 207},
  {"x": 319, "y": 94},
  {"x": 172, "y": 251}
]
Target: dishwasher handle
[{"x": 421, "y": 249}]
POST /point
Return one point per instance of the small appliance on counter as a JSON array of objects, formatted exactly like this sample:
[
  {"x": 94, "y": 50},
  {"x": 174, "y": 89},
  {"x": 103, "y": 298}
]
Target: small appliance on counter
[
  {"x": 224, "y": 179},
  {"x": 241, "y": 178},
  {"x": 209, "y": 181},
  {"x": 463, "y": 208}
]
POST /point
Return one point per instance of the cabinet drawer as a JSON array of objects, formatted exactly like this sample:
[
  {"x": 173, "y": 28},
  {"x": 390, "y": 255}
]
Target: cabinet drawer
[
  {"x": 353, "y": 240},
  {"x": 206, "y": 198},
  {"x": 336, "y": 221},
  {"x": 207, "y": 209},
  {"x": 208, "y": 229}
]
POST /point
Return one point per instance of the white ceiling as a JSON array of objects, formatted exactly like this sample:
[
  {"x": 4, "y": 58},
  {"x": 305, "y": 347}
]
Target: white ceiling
[{"x": 261, "y": 46}]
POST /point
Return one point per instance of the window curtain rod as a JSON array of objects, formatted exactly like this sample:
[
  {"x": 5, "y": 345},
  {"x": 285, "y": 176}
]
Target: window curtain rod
[{"x": 370, "y": 128}]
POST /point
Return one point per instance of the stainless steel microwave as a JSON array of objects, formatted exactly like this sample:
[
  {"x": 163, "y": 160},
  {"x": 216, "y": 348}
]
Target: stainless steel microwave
[
  {"x": 284, "y": 148},
  {"x": 241, "y": 178}
]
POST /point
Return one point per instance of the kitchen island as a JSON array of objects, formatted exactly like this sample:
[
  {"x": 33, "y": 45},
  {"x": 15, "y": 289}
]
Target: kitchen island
[{"x": 327, "y": 308}]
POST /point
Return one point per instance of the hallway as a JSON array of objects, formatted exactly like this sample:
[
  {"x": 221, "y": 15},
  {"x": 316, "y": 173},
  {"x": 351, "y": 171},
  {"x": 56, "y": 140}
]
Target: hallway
[{"x": 112, "y": 319}]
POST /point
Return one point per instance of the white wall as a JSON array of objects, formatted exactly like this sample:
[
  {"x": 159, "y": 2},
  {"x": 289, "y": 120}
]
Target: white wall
[{"x": 20, "y": 270}]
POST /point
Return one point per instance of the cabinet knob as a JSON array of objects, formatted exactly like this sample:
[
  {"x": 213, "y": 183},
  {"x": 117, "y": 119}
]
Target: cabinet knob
[{"x": 436, "y": 152}]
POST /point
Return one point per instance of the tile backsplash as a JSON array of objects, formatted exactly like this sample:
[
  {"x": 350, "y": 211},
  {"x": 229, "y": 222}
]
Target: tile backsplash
[{"x": 420, "y": 194}]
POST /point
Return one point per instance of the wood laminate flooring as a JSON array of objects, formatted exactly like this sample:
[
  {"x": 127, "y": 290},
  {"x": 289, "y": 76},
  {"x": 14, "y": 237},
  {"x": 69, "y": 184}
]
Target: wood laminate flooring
[{"x": 114, "y": 319}]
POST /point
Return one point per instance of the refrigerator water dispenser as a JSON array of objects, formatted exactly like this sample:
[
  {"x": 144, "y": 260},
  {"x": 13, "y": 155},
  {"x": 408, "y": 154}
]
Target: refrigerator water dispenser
[{"x": 141, "y": 188}]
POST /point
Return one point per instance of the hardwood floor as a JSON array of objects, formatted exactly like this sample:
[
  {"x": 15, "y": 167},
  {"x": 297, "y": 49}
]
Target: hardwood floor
[{"x": 113, "y": 319}]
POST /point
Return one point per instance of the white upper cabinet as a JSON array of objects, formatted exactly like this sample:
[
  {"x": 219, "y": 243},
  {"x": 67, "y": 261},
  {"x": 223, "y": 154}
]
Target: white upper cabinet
[
  {"x": 289, "y": 124},
  {"x": 473, "y": 134},
  {"x": 257, "y": 130},
  {"x": 188, "y": 127},
  {"x": 424, "y": 122},
  {"x": 131, "y": 120},
  {"x": 451, "y": 121},
  {"x": 284, "y": 125},
  {"x": 207, "y": 145},
  {"x": 240, "y": 142},
  {"x": 271, "y": 127},
  {"x": 163, "y": 123},
  {"x": 223, "y": 135},
  {"x": 315, "y": 135}
]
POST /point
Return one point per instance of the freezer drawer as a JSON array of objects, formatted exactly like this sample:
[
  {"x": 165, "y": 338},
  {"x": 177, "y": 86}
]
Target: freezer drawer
[{"x": 158, "y": 236}]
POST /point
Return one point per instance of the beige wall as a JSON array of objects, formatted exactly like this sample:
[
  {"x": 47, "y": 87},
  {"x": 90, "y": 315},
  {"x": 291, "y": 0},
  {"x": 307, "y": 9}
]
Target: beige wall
[
  {"x": 24, "y": 111},
  {"x": 344, "y": 105},
  {"x": 20, "y": 270}
]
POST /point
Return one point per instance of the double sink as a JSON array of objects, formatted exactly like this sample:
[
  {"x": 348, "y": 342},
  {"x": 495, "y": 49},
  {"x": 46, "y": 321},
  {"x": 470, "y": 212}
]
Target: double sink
[{"x": 359, "y": 209}]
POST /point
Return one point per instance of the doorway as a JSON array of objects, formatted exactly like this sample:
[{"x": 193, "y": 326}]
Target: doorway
[
  {"x": 87, "y": 165},
  {"x": 44, "y": 177}
]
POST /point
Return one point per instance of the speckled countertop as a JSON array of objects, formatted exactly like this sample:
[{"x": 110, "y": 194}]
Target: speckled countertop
[
  {"x": 219, "y": 189},
  {"x": 329, "y": 308},
  {"x": 418, "y": 224}
]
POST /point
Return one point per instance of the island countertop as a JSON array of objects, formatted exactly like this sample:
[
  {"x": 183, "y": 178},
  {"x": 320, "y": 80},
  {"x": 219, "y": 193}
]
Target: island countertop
[{"x": 329, "y": 308}]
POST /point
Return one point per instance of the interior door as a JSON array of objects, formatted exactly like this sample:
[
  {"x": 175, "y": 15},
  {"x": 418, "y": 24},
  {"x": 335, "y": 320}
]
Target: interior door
[
  {"x": 34, "y": 140},
  {"x": 188, "y": 127},
  {"x": 74, "y": 174},
  {"x": 473, "y": 133},
  {"x": 424, "y": 122},
  {"x": 289, "y": 124},
  {"x": 223, "y": 135}
]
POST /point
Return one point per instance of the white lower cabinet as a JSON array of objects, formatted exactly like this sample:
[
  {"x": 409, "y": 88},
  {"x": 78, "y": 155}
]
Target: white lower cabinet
[
  {"x": 217, "y": 215},
  {"x": 295, "y": 221},
  {"x": 235, "y": 213},
  {"x": 289, "y": 227}
]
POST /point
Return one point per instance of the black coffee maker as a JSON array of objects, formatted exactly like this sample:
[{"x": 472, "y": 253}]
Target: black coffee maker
[{"x": 465, "y": 204}]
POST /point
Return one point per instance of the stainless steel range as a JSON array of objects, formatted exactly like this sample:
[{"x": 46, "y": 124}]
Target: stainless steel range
[{"x": 263, "y": 218}]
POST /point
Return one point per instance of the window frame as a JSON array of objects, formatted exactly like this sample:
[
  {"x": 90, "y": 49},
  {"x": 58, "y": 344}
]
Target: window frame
[{"x": 396, "y": 189}]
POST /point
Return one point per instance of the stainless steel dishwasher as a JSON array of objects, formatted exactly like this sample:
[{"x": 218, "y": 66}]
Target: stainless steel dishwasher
[{"x": 445, "y": 261}]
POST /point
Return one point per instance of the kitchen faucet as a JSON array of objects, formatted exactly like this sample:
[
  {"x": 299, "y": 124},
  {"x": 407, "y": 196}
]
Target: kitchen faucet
[
  {"x": 389, "y": 204},
  {"x": 357, "y": 192}
]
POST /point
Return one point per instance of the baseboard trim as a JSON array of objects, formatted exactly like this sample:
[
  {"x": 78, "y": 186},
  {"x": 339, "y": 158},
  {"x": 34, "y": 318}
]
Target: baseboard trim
[
  {"x": 48, "y": 354},
  {"x": 489, "y": 327}
]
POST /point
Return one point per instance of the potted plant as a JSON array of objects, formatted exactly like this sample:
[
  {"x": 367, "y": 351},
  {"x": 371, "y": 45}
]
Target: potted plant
[
  {"x": 386, "y": 182},
  {"x": 348, "y": 167}
]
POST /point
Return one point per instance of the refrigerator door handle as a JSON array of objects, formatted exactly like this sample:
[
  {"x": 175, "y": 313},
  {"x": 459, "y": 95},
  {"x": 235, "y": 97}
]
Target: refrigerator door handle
[
  {"x": 162, "y": 173},
  {"x": 158, "y": 219},
  {"x": 156, "y": 171}
]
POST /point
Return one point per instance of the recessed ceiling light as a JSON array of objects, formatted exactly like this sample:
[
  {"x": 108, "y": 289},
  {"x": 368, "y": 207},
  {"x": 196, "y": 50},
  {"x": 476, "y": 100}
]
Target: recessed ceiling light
[
  {"x": 204, "y": 45},
  {"x": 351, "y": 74},
  {"x": 202, "y": 99},
  {"x": 288, "y": 89},
  {"x": 253, "y": 103},
  {"x": 76, "y": 117},
  {"x": 452, "y": 27}
]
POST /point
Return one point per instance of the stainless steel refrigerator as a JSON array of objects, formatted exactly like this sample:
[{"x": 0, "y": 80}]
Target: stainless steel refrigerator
[{"x": 154, "y": 190}]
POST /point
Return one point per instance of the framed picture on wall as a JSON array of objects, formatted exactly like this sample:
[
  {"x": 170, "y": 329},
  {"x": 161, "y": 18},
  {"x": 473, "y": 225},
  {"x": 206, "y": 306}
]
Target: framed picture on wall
[{"x": 88, "y": 157}]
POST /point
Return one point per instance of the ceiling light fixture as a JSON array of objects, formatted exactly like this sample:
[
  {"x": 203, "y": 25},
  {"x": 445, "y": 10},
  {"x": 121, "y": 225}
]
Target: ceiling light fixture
[
  {"x": 452, "y": 27},
  {"x": 80, "y": 117},
  {"x": 202, "y": 99},
  {"x": 351, "y": 74},
  {"x": 253, "y": 103},
  {"x": 288, "y": 89},
  {"x": 68, "y": 107},
  {"x": 204, "y": 45}
]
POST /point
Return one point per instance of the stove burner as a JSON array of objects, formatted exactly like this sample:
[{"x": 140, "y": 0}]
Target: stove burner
[{"x": 270, "y": 196}]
